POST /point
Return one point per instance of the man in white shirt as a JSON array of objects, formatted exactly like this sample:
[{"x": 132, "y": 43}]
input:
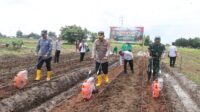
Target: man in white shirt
[
  {"x": 57, "y": 52},
  {"x": 127, "y": 56},
  {"x": 82, "y": 48},
  {"x": 172, "y": 54}
]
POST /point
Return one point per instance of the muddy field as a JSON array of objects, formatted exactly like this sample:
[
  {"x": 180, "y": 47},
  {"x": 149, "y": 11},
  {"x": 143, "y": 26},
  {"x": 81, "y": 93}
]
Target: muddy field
[
  {"x": 125, "y": 92},
  {"x": 12, "y": 65}
]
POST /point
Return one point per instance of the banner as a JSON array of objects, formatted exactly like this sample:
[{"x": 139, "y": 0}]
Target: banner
[{"x": 127, "y": 34}]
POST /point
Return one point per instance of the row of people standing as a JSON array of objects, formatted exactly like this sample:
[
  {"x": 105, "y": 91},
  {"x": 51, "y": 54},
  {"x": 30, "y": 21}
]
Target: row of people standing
[{"x": 100, "y": 54}]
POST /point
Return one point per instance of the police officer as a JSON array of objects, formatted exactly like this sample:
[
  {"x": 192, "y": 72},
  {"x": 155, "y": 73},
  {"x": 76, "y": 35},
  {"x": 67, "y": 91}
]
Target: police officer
[
  {"x": 156, "y": 52},
  {"x": 100, "y": 54},
  {"x": 43, "y": 50}
]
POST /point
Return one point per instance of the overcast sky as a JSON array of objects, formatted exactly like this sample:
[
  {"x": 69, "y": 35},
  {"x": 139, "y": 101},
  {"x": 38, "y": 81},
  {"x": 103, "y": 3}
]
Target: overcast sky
[{"x": 170, "y": 19}]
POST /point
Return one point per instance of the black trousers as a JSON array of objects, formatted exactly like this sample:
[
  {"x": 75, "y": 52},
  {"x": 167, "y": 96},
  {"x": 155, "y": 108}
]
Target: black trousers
[
  {"x": 130, "y": 64},
  {"x": 47, "y": 61},
  {"x": 57, "y": 56},
  {"x": 82, "y": 54},
  {"x": 101, "y": 67},
  {"x": 172, "y": 61}
]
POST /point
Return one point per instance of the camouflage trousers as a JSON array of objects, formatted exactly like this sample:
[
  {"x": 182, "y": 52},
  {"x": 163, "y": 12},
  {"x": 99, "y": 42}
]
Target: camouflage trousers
[{"x": 153, "y": 68}]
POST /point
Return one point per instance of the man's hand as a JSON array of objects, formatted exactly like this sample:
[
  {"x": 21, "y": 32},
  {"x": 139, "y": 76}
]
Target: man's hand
[
  {"x": 105, "y": 58},
  {"x": 45, "y": 56},
  {"x": 36, "y": 54},
  {"x": 163, "y": 57},
  {"x": 92, "y": 58},
  {"x": 150, "y": 57}
]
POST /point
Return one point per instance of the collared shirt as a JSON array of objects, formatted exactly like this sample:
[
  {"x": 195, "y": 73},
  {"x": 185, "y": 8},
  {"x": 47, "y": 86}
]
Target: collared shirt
[
  {"x": 100, "y": 50},
  {"x": 58, "y": 45},
  {"x": 127, "y": 55},
  {"x": 83, "y": 47},
  {"x": 172, "y": 51},
  {"x": 156, "y": 50},
  {"x": 44, "y": 47}
]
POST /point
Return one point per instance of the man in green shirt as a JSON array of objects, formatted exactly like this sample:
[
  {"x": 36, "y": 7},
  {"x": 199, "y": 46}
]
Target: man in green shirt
[
  {"x": 127, "y": 47},
  {"x": 115, "y": 50},
  {"x": 156, "y": 52}
]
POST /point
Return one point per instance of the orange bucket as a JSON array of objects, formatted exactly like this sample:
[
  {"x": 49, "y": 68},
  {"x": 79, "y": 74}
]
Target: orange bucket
[{"x": 155, "y": 89}]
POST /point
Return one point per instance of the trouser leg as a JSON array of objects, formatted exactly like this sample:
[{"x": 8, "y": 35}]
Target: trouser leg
[
  {"x": 174, "y": 61},
  {"x": 171, "y": 59},
  {"x": 98, "y": 68},
  {"x": 40, "y": 63},
  {"x": 55, "y": 57},
  {"x": 149, "y": 71},
  {"x": 82, "y": 56},
  {"x": 105, "y": 68},
  {"x": 48, "y": 63},
  {"x": 156, "y": 68},
  {"x": 125, "y": 63},
  {"x": 131, "y": 65},
  {"x": 58, "y": 56}
]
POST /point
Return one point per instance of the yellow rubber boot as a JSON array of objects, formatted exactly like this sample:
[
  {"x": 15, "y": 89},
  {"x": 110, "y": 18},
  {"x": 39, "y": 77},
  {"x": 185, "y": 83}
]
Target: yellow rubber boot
[
  {"x": 106, "y": 78},
  {"x": 49, "y": 75},
  {"x": 99, "y": 80},
  {"x": 38, "y": 75}
]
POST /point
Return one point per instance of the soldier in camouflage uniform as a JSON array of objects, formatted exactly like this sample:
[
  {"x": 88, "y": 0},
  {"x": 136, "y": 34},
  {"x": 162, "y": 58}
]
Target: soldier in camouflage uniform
[{"x": 156, "y": 51}]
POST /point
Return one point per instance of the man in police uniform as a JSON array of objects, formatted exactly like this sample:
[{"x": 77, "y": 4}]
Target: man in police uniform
[
  {"x": 100, "y": 54},
  {"x": 156, "y": 52}
]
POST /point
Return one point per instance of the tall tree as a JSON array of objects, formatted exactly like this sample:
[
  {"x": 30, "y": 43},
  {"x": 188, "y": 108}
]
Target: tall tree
[
  {"x": 73, "y": 33},
  {"x": 191, "y": 42},
  {"x": 19, "y": 34},
  {"x": 147, "y": 40},
  {"x": 52, "y": 34},
  {"x": 93, "y": 36},
  {"x": 34, "y": 35}
]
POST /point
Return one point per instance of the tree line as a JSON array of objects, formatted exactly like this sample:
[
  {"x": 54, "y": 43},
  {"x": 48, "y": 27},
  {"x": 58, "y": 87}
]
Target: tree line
[
  {"x": 191, "y": 42},
  {"x": 71, "y": 34}
]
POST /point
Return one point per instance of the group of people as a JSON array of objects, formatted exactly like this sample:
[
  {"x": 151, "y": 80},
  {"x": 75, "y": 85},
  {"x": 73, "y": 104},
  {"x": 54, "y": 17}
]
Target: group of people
[
  {"x": 156, "y": 52},
  {"x": 100, "y": 54}
]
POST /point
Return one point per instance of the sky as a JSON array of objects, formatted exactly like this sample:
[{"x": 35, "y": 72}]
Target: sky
[{"x": 170, "y": 19}]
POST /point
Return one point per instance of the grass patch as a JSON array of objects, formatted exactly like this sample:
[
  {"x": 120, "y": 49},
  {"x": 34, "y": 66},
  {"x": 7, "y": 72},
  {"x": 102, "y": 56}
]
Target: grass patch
[{"x": 190, "y": 63}]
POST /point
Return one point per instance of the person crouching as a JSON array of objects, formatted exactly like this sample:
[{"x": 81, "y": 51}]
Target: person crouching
[{"x": 128, "y": 58}]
